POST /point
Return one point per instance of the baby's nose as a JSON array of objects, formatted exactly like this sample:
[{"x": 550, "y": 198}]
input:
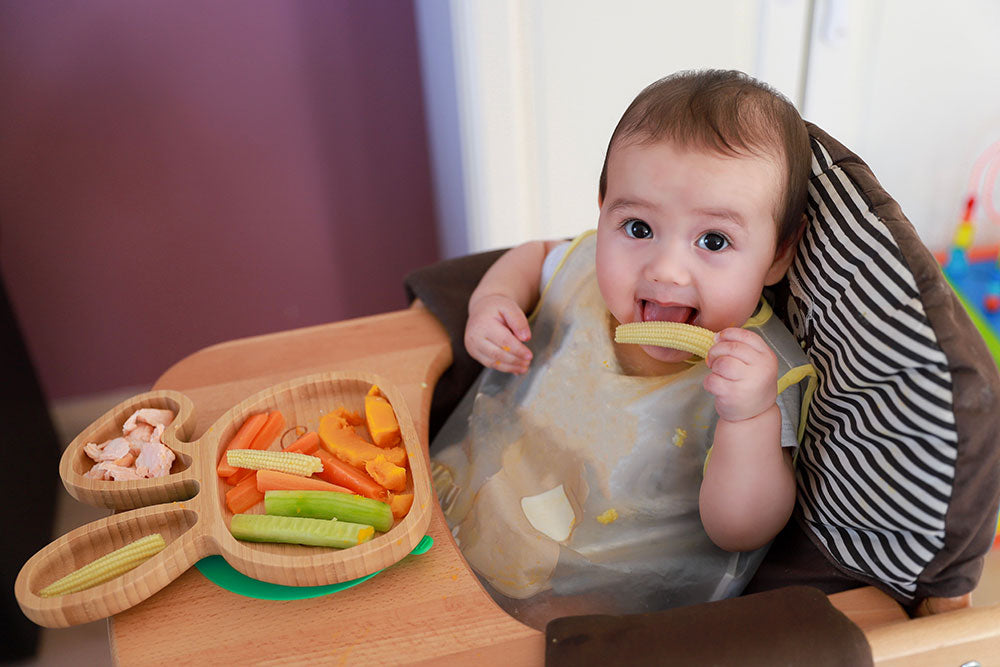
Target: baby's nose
[{"x": 668, "y": 265}]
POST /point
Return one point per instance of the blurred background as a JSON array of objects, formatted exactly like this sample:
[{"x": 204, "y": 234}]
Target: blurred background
[{"x": 174, "y": 174}]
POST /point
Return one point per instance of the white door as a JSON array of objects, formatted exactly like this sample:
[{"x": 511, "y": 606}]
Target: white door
[{"x": 536, "y": 86}]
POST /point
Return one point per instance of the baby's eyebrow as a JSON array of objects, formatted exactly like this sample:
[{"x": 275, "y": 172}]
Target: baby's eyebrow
[
  {"x": 724, "y": 213},
  {"x": 622, "y": 202}
]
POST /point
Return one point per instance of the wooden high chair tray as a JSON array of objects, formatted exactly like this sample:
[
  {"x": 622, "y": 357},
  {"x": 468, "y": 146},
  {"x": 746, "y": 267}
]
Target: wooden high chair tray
[
  {"x": 429, "y": 609},
  {"x": 187, "y": 507}
]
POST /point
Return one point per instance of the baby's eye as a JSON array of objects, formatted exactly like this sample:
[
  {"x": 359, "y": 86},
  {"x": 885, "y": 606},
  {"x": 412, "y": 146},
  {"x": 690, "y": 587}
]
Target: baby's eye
[
  {"x": 713, "y": 241},
  {"x": 637, "y": 229}
]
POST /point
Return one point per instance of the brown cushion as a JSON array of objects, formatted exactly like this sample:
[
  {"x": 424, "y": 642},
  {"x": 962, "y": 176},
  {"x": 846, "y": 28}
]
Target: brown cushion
[
  {"x": 791, "y": 626},
  {"x": 899, "y": 472}
]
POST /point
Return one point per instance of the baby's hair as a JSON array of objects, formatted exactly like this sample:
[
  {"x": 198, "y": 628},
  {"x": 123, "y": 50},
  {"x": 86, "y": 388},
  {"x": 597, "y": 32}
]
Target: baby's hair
[{"x": 731, "y": 113}]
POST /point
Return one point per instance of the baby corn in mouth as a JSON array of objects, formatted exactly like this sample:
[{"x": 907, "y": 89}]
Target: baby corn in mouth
[{"x": 676, "y": 335}]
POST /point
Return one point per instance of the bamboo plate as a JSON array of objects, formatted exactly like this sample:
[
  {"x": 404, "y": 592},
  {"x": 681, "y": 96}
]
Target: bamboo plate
[{"x": 188, "y": 509}]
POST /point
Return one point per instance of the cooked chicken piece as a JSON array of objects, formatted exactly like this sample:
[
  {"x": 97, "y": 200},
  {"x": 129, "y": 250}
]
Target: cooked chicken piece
[
  {"x": 152, "y": 416},
  {"x": 120, "y": 473},
  {"x": 154, "y": 460},
  {"x": 139, "y": 435},
  {"x": 126, "y": 460},
  {"x": 107, "y": 470},
  {"x": 93, "y": 450},
  {"x": 139, "y": 453},
  {"x": 110, "y": 450}
]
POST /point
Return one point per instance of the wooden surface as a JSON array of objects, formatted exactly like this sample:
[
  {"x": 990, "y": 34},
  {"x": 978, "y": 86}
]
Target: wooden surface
[
  {"x": 194, "y": 523},
  {"x": 424, "y": 608},
  {"x": 427, "y": 608}
]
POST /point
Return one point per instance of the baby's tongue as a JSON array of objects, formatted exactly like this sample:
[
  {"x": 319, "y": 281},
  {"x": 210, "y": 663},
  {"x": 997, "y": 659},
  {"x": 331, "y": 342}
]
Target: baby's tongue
[{"x": 653, "y": 312}]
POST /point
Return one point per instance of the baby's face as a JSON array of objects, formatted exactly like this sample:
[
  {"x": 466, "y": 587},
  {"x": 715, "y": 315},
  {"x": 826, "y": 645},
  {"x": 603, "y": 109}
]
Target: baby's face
[{"x": 686, "y": 236}]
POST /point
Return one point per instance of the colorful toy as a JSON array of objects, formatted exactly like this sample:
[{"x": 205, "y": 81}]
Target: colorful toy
[{"x": 974, "y": 271}]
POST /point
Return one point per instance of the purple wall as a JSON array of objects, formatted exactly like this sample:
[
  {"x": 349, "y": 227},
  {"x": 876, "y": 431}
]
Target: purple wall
[{"x": 175, "y": 174}]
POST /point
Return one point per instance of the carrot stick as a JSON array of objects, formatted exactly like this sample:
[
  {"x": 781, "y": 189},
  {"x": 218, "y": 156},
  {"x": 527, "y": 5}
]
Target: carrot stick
[
  {"x": 244, "y": 495},
  {"x": 239, "y": 476},
  {"x": 268, "y": 433},
  {"x": 273, "y": 480},
  {"x": 244, "y": 436},
  {"x": 343, "y": 474},
  {"x": 307, "y": 444}
]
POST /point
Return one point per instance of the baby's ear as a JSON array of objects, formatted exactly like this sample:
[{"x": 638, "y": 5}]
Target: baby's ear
[{"x": 784, "y": 255}]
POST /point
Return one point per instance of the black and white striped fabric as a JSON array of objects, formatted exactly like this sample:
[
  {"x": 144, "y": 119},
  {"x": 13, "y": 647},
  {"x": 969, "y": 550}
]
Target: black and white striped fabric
[{"x": 877, "y": 464}]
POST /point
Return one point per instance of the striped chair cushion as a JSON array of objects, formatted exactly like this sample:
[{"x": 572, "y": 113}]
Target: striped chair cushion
[{"x": 899, "y": 470}]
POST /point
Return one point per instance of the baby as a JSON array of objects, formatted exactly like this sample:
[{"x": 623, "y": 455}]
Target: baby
[{"x": 581, "y": 476}]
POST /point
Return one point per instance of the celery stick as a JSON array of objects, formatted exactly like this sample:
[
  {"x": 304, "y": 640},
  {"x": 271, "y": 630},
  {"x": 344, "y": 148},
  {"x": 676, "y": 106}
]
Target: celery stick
[
  {"x": 330, "y": 505},
  {"x": 298, "y": 530}
]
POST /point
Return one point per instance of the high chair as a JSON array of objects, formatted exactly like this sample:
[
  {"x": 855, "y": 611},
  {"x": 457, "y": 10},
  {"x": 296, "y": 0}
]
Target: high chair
[
  {"x": 906, "y": 427},
  {"x": 899, "y": 470},
  {"x": 430, "y": 609}
]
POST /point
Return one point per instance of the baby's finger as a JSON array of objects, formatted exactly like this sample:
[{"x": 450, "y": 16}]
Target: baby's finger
[
  {"x": 515, "y": 320},
  {"x": 734, "y": 349},
  {"x": 491, "y": 356},
  {"x": 511, "y": 349},
  {"x": 500, "y": 348},
  {"x": 744, "y": 336},
  {"x": 505, "y": 359},
  {"x": 715, "y": 384},
  {"x": 504, "y": 339},
  {"x": 729, "y": 368},
  {"x": 518, "y": 367}
]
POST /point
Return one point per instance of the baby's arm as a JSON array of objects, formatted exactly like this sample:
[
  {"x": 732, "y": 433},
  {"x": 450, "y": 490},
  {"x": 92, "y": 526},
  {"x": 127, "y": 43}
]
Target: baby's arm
[
  {"x": 497, "y": 326},
  {"x": 748, "y": 491}
]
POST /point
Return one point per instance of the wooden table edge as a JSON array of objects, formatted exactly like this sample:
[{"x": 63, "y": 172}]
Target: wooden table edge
[{"x": 893, "y": 636}]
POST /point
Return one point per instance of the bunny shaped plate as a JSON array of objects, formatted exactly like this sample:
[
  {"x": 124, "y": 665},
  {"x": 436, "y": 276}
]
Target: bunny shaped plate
[{"x": 187, "y": 506}]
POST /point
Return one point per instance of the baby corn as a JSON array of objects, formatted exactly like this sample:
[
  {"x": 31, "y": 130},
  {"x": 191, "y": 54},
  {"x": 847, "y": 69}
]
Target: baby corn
[
  {"x": 676, "y": 335},
  {"x": 291, "y": 462},
  {"x": 107, "y": 567}
]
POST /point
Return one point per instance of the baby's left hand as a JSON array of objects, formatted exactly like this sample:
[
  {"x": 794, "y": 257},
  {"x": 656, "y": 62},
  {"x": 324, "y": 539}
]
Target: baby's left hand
[{"x": 744, "y": 378}]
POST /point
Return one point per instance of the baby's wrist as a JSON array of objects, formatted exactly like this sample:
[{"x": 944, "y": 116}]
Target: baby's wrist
[
  {"x": 756, "y": 415},
  {"x": 477, "y": 299}
]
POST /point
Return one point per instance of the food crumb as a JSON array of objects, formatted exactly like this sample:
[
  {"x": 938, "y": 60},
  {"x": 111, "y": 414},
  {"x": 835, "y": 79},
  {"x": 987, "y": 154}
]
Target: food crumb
[
  {"x": 680, "y": 435},
  {"x": 607, "y": 517}
]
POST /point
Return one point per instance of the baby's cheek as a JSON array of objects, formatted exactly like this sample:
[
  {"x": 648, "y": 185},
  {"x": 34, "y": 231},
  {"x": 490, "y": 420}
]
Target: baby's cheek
[{"x": 619, "y": 305}]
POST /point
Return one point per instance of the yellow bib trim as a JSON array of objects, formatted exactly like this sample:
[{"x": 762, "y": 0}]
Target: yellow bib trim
[
  {"x": 763, "y": 314},
  {"x": 794, "y": 376}
]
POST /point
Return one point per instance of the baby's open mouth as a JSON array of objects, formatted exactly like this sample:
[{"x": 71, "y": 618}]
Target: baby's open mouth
[{"x": 654, "y": 312}]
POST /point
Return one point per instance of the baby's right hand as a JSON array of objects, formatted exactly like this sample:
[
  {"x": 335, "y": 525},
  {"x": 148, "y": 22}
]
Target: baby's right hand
[{"x": 495, "y": 334}]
